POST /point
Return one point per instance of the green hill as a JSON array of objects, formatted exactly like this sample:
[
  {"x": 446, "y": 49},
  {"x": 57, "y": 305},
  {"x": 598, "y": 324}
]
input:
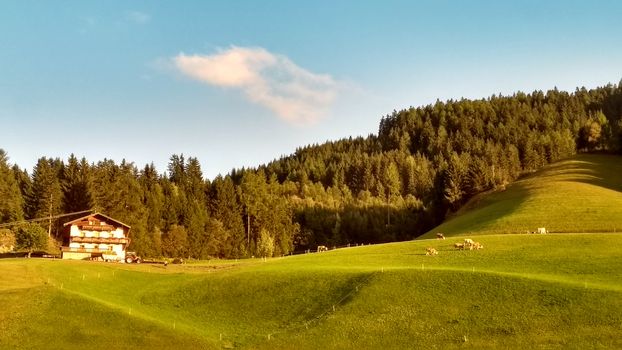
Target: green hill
[
  {"x": 520, "y": 291},
  {"x": 580, "y": 194}
]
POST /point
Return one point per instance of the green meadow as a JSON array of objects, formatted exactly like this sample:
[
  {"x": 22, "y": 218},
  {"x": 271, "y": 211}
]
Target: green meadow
[
  {"x": 548, "y": 291},
  {"x": 580, "y": 194},
  {"x": 555, "y": 291}
]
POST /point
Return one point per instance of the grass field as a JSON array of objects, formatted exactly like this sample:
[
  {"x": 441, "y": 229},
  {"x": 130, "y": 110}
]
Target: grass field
[
  {"x": 557, "y": 291},
  {"x": 581, "y": 194},
  {"x": 553, "y": 291}
]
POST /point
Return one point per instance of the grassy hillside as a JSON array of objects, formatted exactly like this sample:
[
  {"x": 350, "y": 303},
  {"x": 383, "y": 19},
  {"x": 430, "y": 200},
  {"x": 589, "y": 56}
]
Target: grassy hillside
[
  {"x": 581, "y": 194},
  {"x": 554, "y": 291}
]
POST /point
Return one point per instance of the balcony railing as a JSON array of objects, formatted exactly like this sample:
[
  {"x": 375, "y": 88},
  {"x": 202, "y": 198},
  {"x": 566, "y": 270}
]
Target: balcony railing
[
  {"x": 97, "y": 227},
  {"x": 87, "y": 250},
  {"x": 100, "y": 240}
]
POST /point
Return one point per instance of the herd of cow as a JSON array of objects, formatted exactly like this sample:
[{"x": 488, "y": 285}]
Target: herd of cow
[{"x": 467, "y": 244}]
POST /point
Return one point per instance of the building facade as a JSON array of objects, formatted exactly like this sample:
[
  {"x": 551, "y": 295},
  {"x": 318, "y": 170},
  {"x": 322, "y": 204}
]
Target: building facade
[{"x": 95, "y": 236}]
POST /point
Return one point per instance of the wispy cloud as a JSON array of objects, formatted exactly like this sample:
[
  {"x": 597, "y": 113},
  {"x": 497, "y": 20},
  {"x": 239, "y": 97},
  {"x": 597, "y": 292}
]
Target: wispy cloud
[
  {"x": 137, "y": 17},
  {"x": 271, "y": 80}
]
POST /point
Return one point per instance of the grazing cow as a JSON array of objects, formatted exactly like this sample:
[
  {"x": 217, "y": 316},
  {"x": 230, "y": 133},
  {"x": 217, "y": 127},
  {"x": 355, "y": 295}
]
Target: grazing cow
[
  {"x": 470, "y": 244},
  {"x": 431, "y": 251},
  {"x": 459, "y": 245},
  {"x": 440, "y": 236},
  {"x": 322, "y": 248},
  {"x": 542, "y": 230}
]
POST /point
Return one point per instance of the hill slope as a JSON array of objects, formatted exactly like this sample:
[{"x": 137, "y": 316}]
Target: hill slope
[
  {"x": 580, "y": 194},
  {"x": 554, "y": 291}
]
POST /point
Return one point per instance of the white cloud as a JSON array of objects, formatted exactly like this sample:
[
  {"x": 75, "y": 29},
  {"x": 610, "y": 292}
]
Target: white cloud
[
  {"x": 271, "y": 80},
  {"x": 137, "y": 17}
]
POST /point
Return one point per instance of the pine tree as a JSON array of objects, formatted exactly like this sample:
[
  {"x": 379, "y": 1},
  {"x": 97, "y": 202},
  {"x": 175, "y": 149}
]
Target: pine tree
[
  {"x": 195, "y": 216},
  {"x": 76, "y": 185},
  {"x": 253, "y": 193},
  {"x": 455, "y": 179},
  {"x": 46, "y": 197},
  {"x": 225, "y": 208},
  {"x": 11, "y": 203},
  {"x": 153, "y": 201},
  {"x": 119, "y": 195},
  {"x": 24, "y": 182}
]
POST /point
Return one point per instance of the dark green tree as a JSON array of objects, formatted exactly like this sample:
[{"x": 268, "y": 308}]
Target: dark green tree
[
  {"x": 120, "y": 196},
  {"x": 174, "y": 242},
  {"x": 46, "y": 197},
  {"x": 31, "y": 237},
  {"x": 76, "y": 185},
  {"x": 11, "y": 200},
  {"x": 225, "y": 207}
]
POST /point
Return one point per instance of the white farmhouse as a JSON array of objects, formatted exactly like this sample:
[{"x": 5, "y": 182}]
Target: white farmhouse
[{"x": 95, "y": 235}]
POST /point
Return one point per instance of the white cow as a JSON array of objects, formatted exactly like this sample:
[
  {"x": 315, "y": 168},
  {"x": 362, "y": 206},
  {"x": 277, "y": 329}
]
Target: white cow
[{"x": 322, "y": 248}]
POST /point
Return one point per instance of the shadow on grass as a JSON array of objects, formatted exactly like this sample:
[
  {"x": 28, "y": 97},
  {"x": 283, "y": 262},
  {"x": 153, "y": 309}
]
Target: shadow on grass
[{"x": 597, "y": 169}]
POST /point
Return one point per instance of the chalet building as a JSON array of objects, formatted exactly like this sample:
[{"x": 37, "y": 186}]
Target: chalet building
[{"x": 95, "y": 236}]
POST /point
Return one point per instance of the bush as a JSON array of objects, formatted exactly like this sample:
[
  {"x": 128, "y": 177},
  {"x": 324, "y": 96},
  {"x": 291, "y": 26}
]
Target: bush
[
  {"x": 7, "y": 240},
  {"x": 30, "y": 237}
]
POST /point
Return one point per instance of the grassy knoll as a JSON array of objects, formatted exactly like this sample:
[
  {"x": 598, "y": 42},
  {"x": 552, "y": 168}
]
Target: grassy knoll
[
  {"x": 581, "y": 194},
  {"x": 553, "y": 291}
]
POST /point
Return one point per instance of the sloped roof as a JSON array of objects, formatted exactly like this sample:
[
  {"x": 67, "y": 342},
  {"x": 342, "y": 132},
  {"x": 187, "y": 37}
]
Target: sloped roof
[{"x": 107, "y": 218}]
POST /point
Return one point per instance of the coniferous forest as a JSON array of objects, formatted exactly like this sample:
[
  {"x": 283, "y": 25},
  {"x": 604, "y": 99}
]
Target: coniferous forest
[{"x": 423, "y": 164}]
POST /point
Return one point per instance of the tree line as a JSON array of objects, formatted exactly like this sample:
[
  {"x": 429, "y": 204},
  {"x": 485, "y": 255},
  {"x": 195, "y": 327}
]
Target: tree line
[{"x": 424, "y": 163}]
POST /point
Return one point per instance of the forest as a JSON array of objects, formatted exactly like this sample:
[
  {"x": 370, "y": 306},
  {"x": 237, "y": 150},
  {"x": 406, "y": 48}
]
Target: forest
[{"x": 423, "y": 164}]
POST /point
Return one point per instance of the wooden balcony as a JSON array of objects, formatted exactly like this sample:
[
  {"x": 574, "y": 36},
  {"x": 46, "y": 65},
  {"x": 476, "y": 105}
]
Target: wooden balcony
[
  {"x": 87, "y": 250},
  {"x": 100, "y": 240},
  {"x": 107, "y": 228}
]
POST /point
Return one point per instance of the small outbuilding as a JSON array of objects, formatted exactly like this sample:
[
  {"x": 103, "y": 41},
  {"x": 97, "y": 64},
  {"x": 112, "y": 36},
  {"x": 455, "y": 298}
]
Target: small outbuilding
[{"x": 95, "y": 236}]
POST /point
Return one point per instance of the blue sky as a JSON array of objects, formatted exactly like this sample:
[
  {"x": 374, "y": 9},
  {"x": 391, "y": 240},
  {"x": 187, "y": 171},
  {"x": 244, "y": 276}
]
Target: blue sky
[{"x": 239, "y": 83}]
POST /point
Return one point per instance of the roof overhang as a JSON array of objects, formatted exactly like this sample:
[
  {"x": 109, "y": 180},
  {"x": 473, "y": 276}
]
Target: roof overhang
[{"x": 108, "y": 218}]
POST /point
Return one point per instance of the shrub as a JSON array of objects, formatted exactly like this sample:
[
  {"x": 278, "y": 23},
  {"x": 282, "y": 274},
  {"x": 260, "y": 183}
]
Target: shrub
[
  {"x": 30, "y": 237},
  {"x": 7, "y": 240}
]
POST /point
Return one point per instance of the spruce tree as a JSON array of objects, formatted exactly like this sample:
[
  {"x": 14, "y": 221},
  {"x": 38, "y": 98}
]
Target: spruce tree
[
  {"x": 46, "y": 197},
  {"x": 76, "y": 185},
  {"x": 11, "y": 199}
]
